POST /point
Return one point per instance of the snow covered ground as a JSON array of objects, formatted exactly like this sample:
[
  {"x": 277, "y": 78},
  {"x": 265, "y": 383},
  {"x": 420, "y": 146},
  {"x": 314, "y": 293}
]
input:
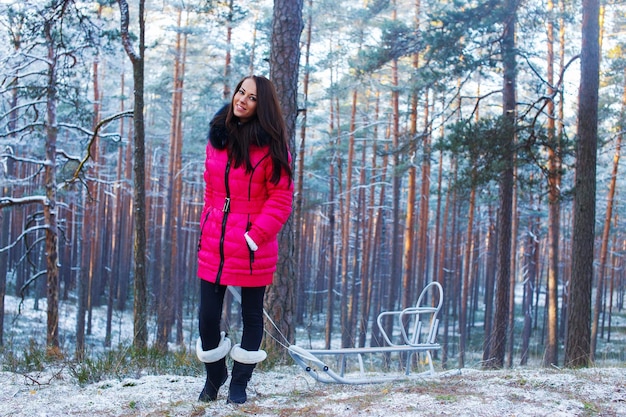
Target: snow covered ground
[{"x": 288, "y": 391}]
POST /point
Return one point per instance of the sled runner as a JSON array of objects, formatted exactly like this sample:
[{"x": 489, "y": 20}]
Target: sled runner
[{"x": 417, "y": 327}]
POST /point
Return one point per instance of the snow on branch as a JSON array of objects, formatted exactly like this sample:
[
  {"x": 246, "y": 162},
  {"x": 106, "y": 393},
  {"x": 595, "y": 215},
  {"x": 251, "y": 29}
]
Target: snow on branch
[
  {"x": 6, "y": 201},
  {"x": 21, "y": 236},
  {"x": 87, "y": 131},
  {"x": 20, "y": 106},
  {"x": 26, "y": 128},
  {"x": 22, "y": 159}
]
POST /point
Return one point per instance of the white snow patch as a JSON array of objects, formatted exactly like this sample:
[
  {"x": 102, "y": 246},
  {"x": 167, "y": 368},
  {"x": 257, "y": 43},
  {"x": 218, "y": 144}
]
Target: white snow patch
[{"x": 288, "y": 391}]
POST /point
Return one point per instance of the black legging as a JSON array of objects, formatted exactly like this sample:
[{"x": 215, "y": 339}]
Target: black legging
[{"x": 211, "y": 304}]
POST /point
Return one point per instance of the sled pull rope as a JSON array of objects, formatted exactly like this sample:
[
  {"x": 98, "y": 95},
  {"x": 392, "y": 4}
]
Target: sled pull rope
[{"x": 285, "y": 343}]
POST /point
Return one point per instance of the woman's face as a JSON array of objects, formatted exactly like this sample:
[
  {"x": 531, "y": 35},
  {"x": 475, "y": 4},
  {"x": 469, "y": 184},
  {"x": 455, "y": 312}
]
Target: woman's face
[{"x": 245, "y": 100}]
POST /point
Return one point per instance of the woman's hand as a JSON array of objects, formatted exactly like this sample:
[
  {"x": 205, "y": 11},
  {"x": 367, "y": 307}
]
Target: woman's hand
[{"x": 251, "y": 244}]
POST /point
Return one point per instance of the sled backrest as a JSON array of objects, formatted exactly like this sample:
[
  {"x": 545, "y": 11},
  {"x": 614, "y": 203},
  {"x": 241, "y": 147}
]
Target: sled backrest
[{"x": 419, "y": 324}]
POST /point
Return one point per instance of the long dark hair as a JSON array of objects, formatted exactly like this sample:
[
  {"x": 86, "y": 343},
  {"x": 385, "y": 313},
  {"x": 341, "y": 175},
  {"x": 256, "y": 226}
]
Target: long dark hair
[{"x": 266, "y": 128}]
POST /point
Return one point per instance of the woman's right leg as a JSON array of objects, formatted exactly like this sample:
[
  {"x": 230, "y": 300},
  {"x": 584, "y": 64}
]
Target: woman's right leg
[
  {"x": 210, "y": 314},
  {"x": 212, "y": 343}
]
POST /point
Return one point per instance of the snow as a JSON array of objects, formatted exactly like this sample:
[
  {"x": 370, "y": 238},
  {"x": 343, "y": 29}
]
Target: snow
[{"x": 288, "y": 391}]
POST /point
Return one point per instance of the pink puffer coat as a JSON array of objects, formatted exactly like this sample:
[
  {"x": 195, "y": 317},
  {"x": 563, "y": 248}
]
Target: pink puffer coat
[{"x": 256, "y": 205}]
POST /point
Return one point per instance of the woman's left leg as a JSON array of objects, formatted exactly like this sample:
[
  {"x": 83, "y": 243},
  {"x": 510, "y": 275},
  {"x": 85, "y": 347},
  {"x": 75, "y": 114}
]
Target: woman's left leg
[{"x": 252, "y": 316}]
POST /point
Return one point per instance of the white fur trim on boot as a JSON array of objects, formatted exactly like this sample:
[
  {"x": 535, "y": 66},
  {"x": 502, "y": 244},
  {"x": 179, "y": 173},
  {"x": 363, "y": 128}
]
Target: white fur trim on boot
[
  {"x": 213, "y": 355},
  {"x": 248, "y": 357}
]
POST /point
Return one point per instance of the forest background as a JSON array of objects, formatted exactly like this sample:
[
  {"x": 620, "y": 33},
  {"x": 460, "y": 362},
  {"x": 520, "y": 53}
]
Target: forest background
[{"x": 434, "y": 141}]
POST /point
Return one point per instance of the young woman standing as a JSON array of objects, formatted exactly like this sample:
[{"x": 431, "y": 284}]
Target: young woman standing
[{"x": 247, "y": 199}]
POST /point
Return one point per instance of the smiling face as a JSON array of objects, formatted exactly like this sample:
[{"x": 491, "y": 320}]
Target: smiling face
[{"x": 245, "y": 100}]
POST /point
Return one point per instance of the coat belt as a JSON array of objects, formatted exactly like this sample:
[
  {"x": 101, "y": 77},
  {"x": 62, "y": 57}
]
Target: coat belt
[{"x": 231, "y": 205}]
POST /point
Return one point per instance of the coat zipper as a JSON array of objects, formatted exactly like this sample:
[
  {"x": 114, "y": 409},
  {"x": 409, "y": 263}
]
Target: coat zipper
[
  {"x": 249, "y": 224},
  {"x": 250, "y": 251},
  {"x": 226, "y": 210}
]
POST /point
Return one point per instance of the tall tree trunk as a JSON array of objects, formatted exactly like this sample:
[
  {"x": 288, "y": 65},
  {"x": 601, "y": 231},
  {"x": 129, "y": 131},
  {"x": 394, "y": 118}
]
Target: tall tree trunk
[
  {"x": 332, "y": 261},
  {"x": 513, "y": 260},
  {"x": 622, "y": 127},
  {"x": 550, "y": 356},
  {"x": 6, "y": 214},
  {"x": 497, "y": 338},
  {"x": 140, "y": 312},
  {"x": 118, "y": 225},
  {"x": 379, "y": 274},
  {"x": 424, "y": 203},
  {"x": 347, "y": 329},
  {"x": 299, "y": 193},
  {"x": 396, "y": 266},
  {"x": 467, "y": 279},
  {"x": 438, "y": 246},
  {"x": 454, "y": 255},
  {"x": 92, "y": 226},
  {"x": 284, "y": 61},
  {"x": 614, "y": 264},
  {"x": 367, "y": 225},
  {"x": 169, "y": 256},
  {"x": 490, "y": 280},
  {"x": 5, "y": 224},
  {"x": 577, "y": 347},
  {"x": 82, "y": 280},
  {"x": 227, "y": 70},
  {"x": 604, "y": 247},
  {"x": 560, "y": 128},
  {"x": 408, "y": 260},
  {"x": 177, "y": 258},
  {"x": 127, "y": 226},
  {"x": 530, "y": 260},
  {"x": 49, "y": 208}
]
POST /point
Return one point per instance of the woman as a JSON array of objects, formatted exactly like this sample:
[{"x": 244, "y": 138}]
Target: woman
[{"x": 247, "y": 200}]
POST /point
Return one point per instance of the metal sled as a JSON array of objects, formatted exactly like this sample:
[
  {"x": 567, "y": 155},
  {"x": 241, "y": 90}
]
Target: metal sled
[{"x": 418, "y": 332}]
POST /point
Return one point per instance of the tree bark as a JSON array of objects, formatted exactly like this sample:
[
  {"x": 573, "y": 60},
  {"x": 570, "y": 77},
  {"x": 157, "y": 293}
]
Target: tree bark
[
  {"x": 531, "y": 261},
  {"x": 226, "y": 95},
  {"x": 424, "y": 205},
  {"x": 577, "y": 347},
  {"x": 408, "y": 260},
  {"x": 577, "y": 350},
  {"x": 497, "y": 339},
  {"x": 140, "y": 312},
  {"x": 347, "y": 329},
  {"x": 299, "y": 191},
  {"x": 467, "y": 278},
  {"x": 332, "y": 259},
  {"x": 604, "y": 247},
  {"x": 550, "y": 356},
  {"x": 287, "y": 27},
  {"x": 396, "y": 266},
  {"x": 49, "y": 208},
  {"x": 170, "y": 271}
]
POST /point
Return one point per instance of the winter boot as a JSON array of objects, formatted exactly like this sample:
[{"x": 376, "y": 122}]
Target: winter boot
[
  {"x": 216, "y": 375},
  {"x": 215, "y": 365},
  {"x": 239, "y": 382},
  {"x": 244, "y": 363}
]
